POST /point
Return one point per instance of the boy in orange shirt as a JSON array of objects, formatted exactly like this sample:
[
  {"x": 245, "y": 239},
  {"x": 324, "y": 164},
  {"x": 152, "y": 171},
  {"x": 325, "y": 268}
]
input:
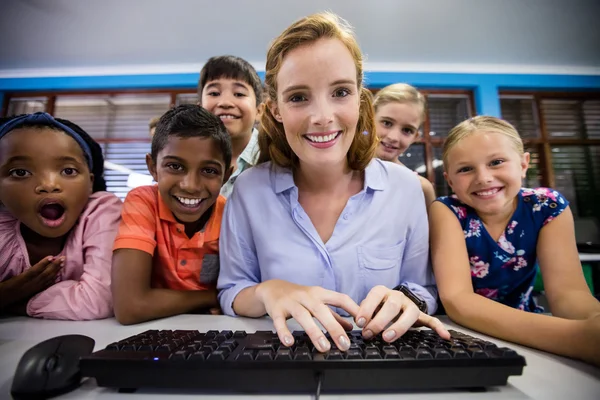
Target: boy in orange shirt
[{"x": 166, "y": 254}]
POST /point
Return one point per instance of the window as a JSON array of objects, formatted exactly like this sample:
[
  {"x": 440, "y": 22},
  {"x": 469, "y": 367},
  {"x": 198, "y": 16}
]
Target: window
[
  {"x": 444, "y": 112},
  {"x": 562, "y": 133}
]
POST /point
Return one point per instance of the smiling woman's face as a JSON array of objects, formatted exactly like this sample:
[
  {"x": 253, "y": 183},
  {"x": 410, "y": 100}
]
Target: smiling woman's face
[{"x": 318, "y": 102}]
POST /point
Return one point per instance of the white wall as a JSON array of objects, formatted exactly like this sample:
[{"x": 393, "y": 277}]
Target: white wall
[{"x": 71, "y": 37}]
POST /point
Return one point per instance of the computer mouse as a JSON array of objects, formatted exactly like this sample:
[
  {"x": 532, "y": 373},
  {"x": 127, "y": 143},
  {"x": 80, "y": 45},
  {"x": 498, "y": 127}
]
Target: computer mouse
[{"x": 51, "y": 367}]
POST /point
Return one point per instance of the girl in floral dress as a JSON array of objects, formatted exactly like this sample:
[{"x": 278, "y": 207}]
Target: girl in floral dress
[{"x": 487, "y": 237}]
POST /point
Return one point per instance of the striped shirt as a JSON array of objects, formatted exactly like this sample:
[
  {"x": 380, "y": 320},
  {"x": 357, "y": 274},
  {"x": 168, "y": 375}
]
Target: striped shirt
[{"x": 179, "y": 262}]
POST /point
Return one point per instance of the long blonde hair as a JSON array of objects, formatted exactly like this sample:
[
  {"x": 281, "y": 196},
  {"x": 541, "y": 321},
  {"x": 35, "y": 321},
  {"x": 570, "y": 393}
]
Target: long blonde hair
[
  {"x": 272, "y": 142},
  {"x": 481, "y": 123}
]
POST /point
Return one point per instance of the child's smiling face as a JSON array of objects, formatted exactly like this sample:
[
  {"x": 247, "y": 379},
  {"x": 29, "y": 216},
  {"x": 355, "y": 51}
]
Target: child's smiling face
[
  {"x": 189, "y": 172},
  {"x": 45, "y": 181}
]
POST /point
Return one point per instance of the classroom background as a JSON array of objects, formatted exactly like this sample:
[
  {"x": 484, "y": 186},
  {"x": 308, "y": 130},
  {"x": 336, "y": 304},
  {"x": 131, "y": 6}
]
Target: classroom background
[{"x": 110, "y": 66}]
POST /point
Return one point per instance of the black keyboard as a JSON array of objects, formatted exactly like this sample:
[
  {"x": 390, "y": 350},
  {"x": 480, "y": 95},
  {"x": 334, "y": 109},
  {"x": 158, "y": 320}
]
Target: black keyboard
[{"x": 240, "y": 362}]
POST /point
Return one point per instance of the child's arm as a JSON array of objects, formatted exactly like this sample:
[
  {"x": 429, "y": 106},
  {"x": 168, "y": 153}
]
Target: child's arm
[
  {"x": 428, "y": 191},
  {"x": 564, "y": 284},
  {"x": 88, "y": 297},
  {"x": 452, "y": 271},
  {"x": 136, "y": 301}
]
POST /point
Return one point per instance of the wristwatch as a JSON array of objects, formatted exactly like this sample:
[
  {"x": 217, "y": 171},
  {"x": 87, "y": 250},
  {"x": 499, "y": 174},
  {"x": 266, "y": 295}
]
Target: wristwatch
[{"x": 421, "y": 304}]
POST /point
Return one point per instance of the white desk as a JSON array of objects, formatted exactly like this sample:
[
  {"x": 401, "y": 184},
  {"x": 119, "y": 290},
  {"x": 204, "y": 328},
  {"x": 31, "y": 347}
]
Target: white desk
[{"x": 545, "y": 376}]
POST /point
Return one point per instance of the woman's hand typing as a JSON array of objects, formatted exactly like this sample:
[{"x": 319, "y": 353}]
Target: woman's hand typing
[
  {"x": 391, "y": 313},
  {"x": 283, "y": 300}
]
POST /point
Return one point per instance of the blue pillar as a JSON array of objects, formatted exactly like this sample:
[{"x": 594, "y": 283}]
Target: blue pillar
[{"x": 487, "y": 100}]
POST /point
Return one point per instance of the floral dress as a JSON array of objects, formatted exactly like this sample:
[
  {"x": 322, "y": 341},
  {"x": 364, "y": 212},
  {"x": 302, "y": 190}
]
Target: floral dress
[{"x": 505, "y": 270}]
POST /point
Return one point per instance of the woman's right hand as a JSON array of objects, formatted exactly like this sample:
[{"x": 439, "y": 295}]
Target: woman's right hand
[{"x": 283, "y": 300}]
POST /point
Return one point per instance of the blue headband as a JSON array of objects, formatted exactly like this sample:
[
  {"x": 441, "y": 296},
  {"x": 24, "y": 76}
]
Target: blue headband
[{"x": 45, "y": 119}]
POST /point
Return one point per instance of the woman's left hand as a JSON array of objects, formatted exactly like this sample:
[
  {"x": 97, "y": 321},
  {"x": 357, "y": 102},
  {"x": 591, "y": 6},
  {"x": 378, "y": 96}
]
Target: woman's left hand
[{"x": 386, "y": 308}]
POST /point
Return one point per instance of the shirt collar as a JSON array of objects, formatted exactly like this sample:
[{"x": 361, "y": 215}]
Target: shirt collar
[
  {"x": 250, "y": 152},
  {"x": 374, "y": 177},
  {"x": 164, "y": 212}
]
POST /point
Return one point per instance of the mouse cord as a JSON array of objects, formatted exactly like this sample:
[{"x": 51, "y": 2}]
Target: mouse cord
[{"x": 319, "y": 383}]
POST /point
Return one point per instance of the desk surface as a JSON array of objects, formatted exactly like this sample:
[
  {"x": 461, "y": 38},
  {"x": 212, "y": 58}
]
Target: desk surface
[{"x": 545, "y": 376}]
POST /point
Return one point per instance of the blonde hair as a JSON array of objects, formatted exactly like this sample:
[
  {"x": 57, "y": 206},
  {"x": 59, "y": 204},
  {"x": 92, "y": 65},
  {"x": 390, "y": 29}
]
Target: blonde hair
[
  {"x": 272, "y": 141},
  {"x": 153, "y": 122},
  {"x": 481, "y": 123},
  {"x": 400, "y": 93}
]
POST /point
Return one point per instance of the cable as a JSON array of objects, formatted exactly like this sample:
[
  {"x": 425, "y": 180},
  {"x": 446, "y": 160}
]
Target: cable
[{"x": 319, "y": 382}]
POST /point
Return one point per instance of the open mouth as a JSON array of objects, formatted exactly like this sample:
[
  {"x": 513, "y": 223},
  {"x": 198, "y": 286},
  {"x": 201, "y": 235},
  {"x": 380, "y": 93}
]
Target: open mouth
[
  {"x": 189, "y": 203},
  {"x": 52, "y": 214}
]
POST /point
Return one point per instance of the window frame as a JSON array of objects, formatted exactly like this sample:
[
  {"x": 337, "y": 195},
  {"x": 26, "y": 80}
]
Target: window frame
[{"x": 545, "y": 142}]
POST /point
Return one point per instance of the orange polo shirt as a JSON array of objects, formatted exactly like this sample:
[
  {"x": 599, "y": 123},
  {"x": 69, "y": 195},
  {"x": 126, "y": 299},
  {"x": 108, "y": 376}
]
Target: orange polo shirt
[{"x": 179, "y": 262}]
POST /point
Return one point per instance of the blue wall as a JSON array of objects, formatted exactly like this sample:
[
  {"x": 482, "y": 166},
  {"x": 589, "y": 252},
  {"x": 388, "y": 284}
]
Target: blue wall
[{"x": 485, "y": 86}]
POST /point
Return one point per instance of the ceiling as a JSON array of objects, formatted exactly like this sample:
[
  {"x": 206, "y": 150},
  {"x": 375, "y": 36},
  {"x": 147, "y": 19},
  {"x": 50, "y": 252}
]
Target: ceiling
[{"x": 58, "y": 37}]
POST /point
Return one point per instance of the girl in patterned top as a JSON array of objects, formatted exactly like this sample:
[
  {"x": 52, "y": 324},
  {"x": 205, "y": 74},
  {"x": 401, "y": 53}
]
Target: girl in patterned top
[{"x": 486, "y": 238}]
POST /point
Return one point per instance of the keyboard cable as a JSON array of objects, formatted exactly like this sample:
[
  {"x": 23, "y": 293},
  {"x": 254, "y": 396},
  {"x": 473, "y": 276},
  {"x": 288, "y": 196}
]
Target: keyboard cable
[{"x": 319, "y": 382}]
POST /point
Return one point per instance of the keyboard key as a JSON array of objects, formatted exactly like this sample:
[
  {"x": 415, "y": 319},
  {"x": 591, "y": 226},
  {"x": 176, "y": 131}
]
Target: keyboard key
[
  {"x": 390, "y": 353},
  {"x": 459, "y": 353},
  {"x": 230, "y": 345},
  {"x": 505, "y": 352},
  {"x": 227, "y": 334},
  {"x": 441, "y": 354},
  {"x": 423, "y": 354},
  {"x": 302, "y": 355},
  {"x": 199, "y": 355},
  {"x": 112, "y": 347},
  {"x": 283, "y": 355},
  {"x": 260, "y": 346},
  {"x": 239, "y": 334},
  {"x": 166, "y": 348},
  {"x": 212, "y": 345},
  {"x": 218, "y": 355},
  {"x": 354, "y": 355},
  {"x": 334, "y": 355},
  {"x": 372, "y": 354},
  {"x": 247, "y": 355},
  {"x": 264, "y": 355},
  {"x": 180, "y": 355}
]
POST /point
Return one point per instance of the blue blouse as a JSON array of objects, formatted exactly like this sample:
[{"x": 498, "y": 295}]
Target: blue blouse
[{"x": 380, "y": 238}]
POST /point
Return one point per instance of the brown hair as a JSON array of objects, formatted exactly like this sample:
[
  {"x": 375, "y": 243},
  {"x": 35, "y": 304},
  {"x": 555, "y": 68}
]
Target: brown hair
[
  {"x": 400, "y": 93},
  {"x": 481, "y": 123},
  {"x": 272, "y": 142}
]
